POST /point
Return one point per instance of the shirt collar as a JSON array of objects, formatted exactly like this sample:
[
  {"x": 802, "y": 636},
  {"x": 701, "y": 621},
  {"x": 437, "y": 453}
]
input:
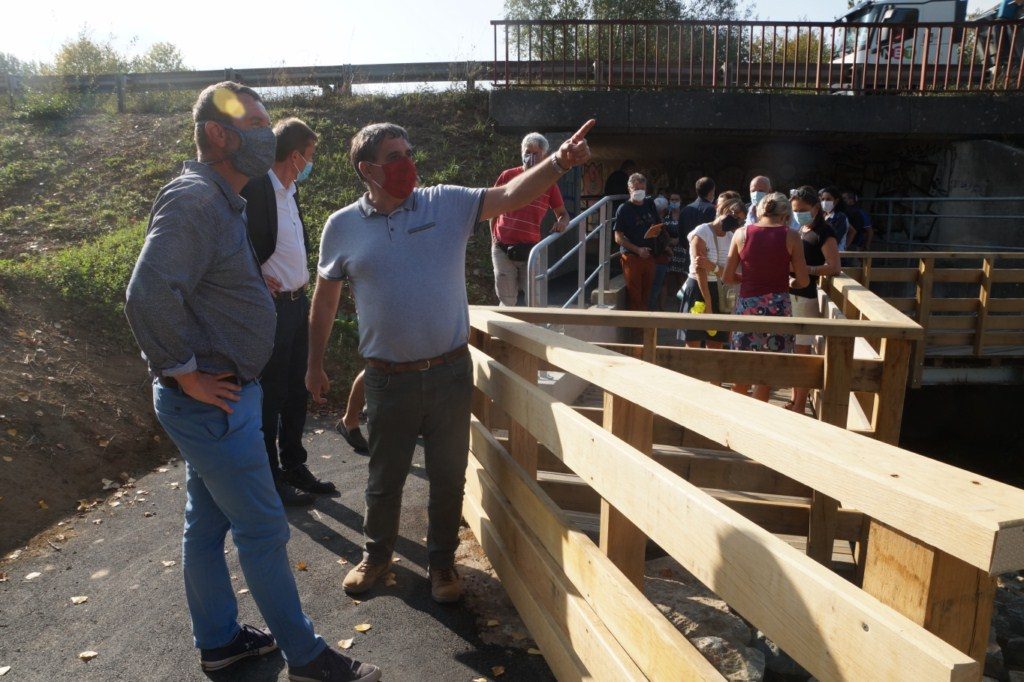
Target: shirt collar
[
  {"x": 278, "y": 187},
  {"x": 367, "y": 209},
  {"x": 204, "y": 170}
]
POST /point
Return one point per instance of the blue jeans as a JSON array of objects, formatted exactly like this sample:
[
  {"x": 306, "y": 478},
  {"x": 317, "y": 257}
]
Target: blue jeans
[{"x": 230, "y": 487}]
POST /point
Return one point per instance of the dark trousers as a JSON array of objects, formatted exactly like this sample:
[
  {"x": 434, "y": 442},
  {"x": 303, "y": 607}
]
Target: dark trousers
[
  {"x": 400, "y": 407},
  {"x": 284, "y": 386}
]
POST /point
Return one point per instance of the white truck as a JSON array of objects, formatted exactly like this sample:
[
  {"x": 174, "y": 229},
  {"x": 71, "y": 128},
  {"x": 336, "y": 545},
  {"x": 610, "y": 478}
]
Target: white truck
[{"x": 908, "y": 39}]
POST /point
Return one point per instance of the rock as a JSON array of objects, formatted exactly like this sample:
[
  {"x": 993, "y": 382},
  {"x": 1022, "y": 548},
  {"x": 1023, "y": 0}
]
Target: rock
[
  {"x": 1013, "y": 652},
  {"x": 778, "y": 661},
  {"x": 1016, "y": 676},
  {"x": 1008, "y": 619},
  {"x": 995, "y": 666},
  {"x": 737, "y": 663},
  {"x": 690, "y": 606}
]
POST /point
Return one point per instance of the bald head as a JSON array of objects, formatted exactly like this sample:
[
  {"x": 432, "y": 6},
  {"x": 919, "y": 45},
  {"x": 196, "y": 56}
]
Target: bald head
[{"x": 761, "y": 183}]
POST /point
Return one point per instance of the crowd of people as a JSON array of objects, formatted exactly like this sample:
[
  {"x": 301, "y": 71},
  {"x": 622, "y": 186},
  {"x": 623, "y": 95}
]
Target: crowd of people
[{"x": 217, "y": 303}]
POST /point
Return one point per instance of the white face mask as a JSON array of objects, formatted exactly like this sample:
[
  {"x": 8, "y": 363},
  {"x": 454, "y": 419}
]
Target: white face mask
[
  {"x": 756, "y": 196},
  {"x": 827, "y": 206},
  {"x": 638, "y": 195}
]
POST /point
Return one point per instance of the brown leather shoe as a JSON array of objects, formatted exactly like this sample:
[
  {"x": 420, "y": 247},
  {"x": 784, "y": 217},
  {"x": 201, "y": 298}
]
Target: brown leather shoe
[
  {"x": 445, "y": 585},
  {"x": 364, "y": 576}
]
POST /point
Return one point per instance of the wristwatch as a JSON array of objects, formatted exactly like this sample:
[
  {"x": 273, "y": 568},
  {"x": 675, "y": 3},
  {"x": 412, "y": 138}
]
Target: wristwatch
[{"x": 557, "y": 167}]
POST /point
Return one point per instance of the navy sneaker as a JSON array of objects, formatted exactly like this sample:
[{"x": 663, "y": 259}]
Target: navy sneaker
[
  {"x": 330, "y": 666},
  {"x": 248, "y": 642}
]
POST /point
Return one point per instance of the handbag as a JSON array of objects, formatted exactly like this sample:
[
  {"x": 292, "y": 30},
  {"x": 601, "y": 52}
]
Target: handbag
[{"x": 517, "y": 252}]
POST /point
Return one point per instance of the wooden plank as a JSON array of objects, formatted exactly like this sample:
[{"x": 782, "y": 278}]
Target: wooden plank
[
  {"x": 1006, "y": 305},
  {"x": 480, "y": 403},
  {"x": 835, "y": 406},
  {"x": 924, "y": 310},
  {"x": 559, "y": 651},
  {"x": 898, "y": 327},
  {"x": 522, "y": 444},
  {"x": 904, "y": 305},
  {"x": 657, "y": 647},
  {"x": 1004, "y": 322},
  {"x": 1008, "y": 275},
  {"x": 975, "y": 518},
  {"x": 828, "y": 625},
  {"x": 952, "y": 322},
  {"x": 963, "y": 275},
  {"x": 894, "y": 275},
  {"x": 944, "y": 255},
  {"x": 621, "y": 540},
  {"x": 869, "y": 304},
  {"x": 777, "y": 514},
  {"x": 954, "y": 305},
  {"x": 1004, "y": 338},
  {"x": 983, "y": 296},
  {"x": 950, "y": 339},
  {"x": 946, "y": 596}
]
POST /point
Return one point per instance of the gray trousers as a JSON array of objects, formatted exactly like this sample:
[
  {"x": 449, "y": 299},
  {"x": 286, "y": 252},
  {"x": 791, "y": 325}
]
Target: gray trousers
[
  {"x": 509, "y": 276},
  {"x": 401, "y": 407}
]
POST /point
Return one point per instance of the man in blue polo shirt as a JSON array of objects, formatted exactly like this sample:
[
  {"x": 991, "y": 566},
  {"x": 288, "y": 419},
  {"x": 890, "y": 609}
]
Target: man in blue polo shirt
[{"x": 403, "y": 249}]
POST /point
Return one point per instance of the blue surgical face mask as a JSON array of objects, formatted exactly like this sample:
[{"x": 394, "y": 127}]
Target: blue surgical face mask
[
  {"x": 306, "y": 170},
  {"x": 803, "y": 217},
  {"x": 529, "y": 160},
  {"x": 674, "y": 205},
  {"x": 256, "y": 149},
  {"x": 755, "y": 197}
]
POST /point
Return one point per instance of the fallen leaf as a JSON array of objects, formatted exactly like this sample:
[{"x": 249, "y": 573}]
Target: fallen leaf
[
  {"x": 97, "y": 521},
  {"x": 498, "y": 670},
  {"x": 148, "y": 514},
  {"x": 103, "y": 442},
  {"x": 4, "y": 669},
  {"x": 110, "y": 485},
  {"x": 162, "y": 470},
  {"x": 356, "y": 602},
  {"x": 12, "y": 432},
  {"x": 244, "y": 590},
  {"x": 390, "y": 581},
  {"x": 396, "y": 559},
  {"x": 79, "y": 600},
  {"x": 479, "y": 679},
  {"x": 3, "y": 577},
  {"x": 493, "y": 622},
  {"x": 42, "y": 504},
  {"x": 175, "y": 486},
  {"x": 318, "y": 431},
  {"x": 168, "y": 564},
  {"x": 342, "y": 561},
  {"x": 325, "y": 456},
  {"x": 23, "y": 397},
  {"x": 33, "y": 575},
  {"x": 8, "y": 459},
  {"x": 88, "y": 655},
  {"x": 115, "y": 503},
  {"x": 362, "y": 627},
  {"x": 345, "y": 643},
  {"x": 533, "y": 651},
  {"x": 518, "y": 634},
  {"x": 301, "y": 566}
]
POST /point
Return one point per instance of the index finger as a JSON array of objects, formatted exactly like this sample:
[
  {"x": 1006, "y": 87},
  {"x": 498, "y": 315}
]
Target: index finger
[{"x": 582, "y": 132}]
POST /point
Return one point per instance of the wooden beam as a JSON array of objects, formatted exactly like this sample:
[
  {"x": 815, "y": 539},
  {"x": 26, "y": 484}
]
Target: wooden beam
[
  {"x": 621, "y": 540},
  {"x": 924, "y": 311},
  {"x": 887, "y": 413},
  {"x": 829, "y": 626},
  {"x": 984, "y": 291},
  {"x": 939, "y": 592},
  {"x": 657, "y": 647},
  {"x": 522, "y": 444},
  {"x": 974, "y": 518}
]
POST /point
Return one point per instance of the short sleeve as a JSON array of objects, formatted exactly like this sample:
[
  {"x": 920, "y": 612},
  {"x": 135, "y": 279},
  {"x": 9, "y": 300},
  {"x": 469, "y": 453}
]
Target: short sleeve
[
  {"x": 332, "y": 264},
  {"x": 555, "y": 197},
  {"x": 502, "y": 179},
  {"x": 462, "y": 205}
]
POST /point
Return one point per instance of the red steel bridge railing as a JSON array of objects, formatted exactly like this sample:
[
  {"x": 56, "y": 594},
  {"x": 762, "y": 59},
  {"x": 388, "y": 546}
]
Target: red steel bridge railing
[{"x": 760, "y": 56}]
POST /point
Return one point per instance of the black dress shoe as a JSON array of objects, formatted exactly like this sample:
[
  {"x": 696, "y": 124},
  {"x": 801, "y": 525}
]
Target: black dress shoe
[
  {"x": 290, "y": 497},
  {"x": 354, "y": 438},
  {"x": 248, "y": 642},
  {"x": 303, "y": 479}
]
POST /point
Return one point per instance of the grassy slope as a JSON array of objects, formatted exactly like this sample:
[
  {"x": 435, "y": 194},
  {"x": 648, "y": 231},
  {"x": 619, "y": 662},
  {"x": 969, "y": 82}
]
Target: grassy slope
[{"x": 75, "y": 193}]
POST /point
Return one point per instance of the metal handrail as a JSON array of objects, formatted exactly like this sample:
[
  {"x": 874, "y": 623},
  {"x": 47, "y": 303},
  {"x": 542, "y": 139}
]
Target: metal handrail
[
  {"x": 910, "y": 213},
  {"x": 539, "y": 274}
]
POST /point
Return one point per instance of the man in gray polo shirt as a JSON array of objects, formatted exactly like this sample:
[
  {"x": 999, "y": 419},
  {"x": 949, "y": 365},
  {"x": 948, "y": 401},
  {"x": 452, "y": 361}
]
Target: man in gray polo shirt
[{"x": 403, "y": 249}]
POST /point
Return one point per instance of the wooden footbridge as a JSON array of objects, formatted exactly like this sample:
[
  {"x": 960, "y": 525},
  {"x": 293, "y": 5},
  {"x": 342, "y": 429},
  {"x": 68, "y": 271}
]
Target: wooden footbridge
[{"x": 722, "y": 483}]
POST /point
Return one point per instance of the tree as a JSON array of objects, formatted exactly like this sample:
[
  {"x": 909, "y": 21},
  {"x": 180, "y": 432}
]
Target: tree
[
  {"x": 85, "y": 56},
  {"x": 14, "y": 66},
  {"x": 159, "y": 57}
]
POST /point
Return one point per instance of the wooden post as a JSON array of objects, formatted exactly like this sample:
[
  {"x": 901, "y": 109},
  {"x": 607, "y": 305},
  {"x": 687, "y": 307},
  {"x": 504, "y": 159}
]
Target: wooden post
[
  {"x": 983, "y": 296},
  {"x": 481, "y": 403},
  {"x": 925, "y": 283},
  {"x": 835, "y": 405},
  {"x": 946, "y": 596},
  {"x": 887, "y": 414},
  {"x": 620, "y": 540},
  {"x": 650, "y": 348},
  {"x": 865, "y": 277},
  {"x": 119, "y": 86},
  {"x": 522, "y": 444}
]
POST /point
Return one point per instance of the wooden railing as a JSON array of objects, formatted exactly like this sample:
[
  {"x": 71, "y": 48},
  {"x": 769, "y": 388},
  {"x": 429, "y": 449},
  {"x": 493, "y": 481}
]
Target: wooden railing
[
  {"x": 930, "y": 538},
  {"x": 971, "y": 305}
]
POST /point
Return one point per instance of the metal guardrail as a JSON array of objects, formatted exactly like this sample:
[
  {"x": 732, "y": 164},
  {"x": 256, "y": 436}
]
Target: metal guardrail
[
  {"x": 905, "y": 215},
  {"x": 539, "y": 274},
  {"x": 340, "y": 77},
  {"x": 762, "y": 56}
]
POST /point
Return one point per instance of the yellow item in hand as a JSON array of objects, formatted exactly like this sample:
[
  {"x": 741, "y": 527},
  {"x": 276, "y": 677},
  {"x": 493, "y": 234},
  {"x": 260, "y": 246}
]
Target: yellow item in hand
[{"x": 698, "y": 308}]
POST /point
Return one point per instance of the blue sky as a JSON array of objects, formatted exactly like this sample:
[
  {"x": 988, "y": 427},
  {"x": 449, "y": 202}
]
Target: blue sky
[{"x": 301, "y": 33}]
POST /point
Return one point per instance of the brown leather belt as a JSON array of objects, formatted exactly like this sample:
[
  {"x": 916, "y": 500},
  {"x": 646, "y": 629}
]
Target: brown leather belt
[
  {"x": 290, "y": 295},
  {"x": 417, "y": 365}
]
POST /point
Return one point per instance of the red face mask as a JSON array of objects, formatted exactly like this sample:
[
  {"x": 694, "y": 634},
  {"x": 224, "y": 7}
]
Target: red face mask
[{"x": 399, "y": 177}]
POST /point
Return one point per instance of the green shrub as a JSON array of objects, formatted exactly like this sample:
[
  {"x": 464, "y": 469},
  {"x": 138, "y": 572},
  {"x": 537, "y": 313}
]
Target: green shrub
[{"x": 48, "y": 106}]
